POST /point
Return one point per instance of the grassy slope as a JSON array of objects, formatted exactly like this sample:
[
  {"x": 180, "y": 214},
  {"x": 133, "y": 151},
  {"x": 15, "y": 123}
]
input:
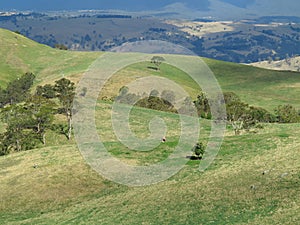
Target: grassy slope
[
  {"x": 20, "y": 55},
  {"x": 63, "y": 189},
  {"x": 256, "y": 86}
]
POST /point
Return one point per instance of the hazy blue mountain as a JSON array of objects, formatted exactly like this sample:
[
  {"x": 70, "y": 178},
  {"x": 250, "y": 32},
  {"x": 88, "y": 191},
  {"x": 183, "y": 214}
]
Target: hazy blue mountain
[
  {"x": 130, "y": 5},
  {"x": 240, "y": 3}
]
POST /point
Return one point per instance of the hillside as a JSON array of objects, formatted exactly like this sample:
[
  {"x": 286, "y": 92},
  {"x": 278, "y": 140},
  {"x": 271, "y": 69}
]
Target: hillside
[
  {"x": 255, "y": 86},
  {"x": 255, "y": 178},
  {"x": 288, "y": 64},
  {"x": 20, "y": 55}
]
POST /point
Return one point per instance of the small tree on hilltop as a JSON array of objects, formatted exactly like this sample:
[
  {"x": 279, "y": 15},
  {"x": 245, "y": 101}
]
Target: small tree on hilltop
[
  {"x": 61, "y": 46},
  {"x": 157, "y": 60}
]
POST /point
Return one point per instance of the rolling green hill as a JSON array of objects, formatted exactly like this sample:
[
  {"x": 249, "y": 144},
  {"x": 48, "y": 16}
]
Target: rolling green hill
[
  {"x": 255, "y": 178},
  {"x": 20, "y": 55},
  {"x": 260, "y": 87}
]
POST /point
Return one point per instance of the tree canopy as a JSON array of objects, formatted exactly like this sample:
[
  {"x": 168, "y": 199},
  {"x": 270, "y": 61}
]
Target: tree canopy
[
  {"x": 28, "y": 117},
  {"x": 157, "y": 60}
]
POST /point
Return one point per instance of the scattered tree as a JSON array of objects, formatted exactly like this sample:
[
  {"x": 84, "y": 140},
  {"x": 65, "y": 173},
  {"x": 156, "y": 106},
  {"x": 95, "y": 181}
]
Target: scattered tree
[
  {"x": 46, "y": 91},
  {"x": 237, "y": 115},
  {"x": 42, "y": 113},
  {"x": 65, "y": 90},
  {"x": 18, "y": 90},
  {"x": 157, "y": 60},
  {"x": 198, "y": 149},
  {"x": 61, "y": 46},
  {"x": 188, "y": 107},
  {"x": 123, "y": 91},
  {"x": 287, "y": 114},
  {"x": 154, "y": 93},
  {"x": 83, "y": 91},
  {"x": 202, "y": 105},
  {"x": 126, "y": 97},
  {"x": 168, "y": 97},
  {"x": 156, "y": 103},
  {"x": 19, "y": 134}
]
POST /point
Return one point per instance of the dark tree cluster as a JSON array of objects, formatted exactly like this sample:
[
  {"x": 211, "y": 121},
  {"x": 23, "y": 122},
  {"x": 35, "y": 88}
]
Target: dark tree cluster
[
  {"x": 242, "y": 116},
  {"x": 27, "y": 117},
  {"x": 287, "y": 114},
  {"x": 61, "y": 46},
  {"x": 198, "y": 150},
  {"x": 17, "y": 90},
  {"x": 239, "y": 115},
  {"x": 64, "y": 91},
  {"x": 202, "y": 106},
  {"x": 156, "y": 101}
]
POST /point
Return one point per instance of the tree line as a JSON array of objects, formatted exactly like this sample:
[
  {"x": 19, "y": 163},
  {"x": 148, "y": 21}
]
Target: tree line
[
  {"x": 242, "y": 116},
  {"x": 239, "y": 115},
  {"x": 28, "y": 116}
]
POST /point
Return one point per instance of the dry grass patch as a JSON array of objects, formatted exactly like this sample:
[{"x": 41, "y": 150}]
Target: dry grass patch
[{"x": 44, "y": 178}]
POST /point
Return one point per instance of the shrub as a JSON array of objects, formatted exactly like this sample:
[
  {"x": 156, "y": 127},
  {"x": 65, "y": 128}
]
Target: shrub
[{"x": 287, "y": 114}]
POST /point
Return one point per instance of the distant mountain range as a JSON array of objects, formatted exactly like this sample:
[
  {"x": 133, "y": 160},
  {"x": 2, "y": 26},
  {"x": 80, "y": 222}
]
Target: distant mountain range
[
  {"x": 221, "y": 9},
  {"x": 244, "y": 41}
]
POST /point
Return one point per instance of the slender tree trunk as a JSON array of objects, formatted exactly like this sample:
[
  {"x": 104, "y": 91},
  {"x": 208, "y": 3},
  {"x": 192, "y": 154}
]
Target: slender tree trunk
[
  {"x": 237, "y": 126},
  {"x": 69, "y": 125},
  {"x": 44, "y": 138},
  {"x": 38, "y": 128},
  {"x": 18, "y": 145}
]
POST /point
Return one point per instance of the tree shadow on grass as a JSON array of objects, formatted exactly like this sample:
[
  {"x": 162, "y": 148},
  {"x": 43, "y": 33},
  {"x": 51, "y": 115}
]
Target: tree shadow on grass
[
  {"x": 152, "y": 68},
  {"x": 193, "y": 157}
]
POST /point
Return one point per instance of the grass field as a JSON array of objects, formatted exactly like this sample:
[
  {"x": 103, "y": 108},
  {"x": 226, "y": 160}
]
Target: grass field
[
  {"x": 63, "y": 189},
  {"x": 255, "y": 179}
]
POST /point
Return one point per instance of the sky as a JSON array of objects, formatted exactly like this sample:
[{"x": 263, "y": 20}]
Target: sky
[
  {"x": 215, "y": 7},
  {"x": 131, "y": 5}
]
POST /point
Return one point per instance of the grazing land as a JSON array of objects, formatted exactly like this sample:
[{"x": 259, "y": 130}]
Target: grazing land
[{"x": 255, "y": 179}]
